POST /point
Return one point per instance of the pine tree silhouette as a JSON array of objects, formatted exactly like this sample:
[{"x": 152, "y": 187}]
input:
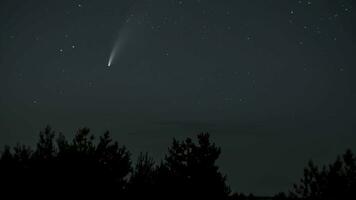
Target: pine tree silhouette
[
  {"x": 193, "y": 172},
  {"x": 83, "y": 168},
  {"x": 336, "y": 181},
  {"x": 143, "y": 182},
  {"x": 79, "y": 168}
]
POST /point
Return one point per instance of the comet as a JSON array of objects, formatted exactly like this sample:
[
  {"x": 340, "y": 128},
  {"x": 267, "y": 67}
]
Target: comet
[
  {"x": 114, "y": 52},
  {"x": 119, "y": 45},
  {"x": 112, "y": 56},
  {"x": 125, "y": 33}
]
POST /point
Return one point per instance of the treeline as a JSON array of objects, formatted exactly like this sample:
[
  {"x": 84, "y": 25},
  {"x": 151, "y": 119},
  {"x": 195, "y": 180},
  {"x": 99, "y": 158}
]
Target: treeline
[{"x": 85, "y": 168}]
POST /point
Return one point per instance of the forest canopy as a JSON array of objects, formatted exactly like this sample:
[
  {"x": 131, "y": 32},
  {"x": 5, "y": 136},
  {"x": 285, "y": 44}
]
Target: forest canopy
[{"x": 87, "y": 167}]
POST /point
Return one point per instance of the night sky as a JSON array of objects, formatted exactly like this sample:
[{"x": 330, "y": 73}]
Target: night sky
[{"x": 271, "y": 80}]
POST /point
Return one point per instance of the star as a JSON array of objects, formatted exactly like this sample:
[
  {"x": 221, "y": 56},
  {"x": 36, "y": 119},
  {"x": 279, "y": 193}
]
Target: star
[{"x": 166, "y": 53}]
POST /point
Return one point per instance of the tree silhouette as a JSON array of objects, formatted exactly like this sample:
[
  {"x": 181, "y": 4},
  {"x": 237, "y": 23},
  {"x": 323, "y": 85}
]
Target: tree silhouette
[
  {"x": 63, "y": 167},
  {"x": 143, "y": 182},
  {"x": 187, "y": 172},
  {"x": 84, "y": 167},
  {"x": 336, "y": 181},
  {"x": 101, "y": 167},
  {"x": 45, "y": 146},
  {"x": 193, "y": 172}
]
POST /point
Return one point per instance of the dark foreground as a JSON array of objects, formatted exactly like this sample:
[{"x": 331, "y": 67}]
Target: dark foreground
[{"x": 82, "y": 168}]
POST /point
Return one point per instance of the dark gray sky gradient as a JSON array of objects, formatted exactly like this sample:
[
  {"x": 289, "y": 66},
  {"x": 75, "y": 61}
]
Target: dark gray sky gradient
[{"x": 272, "y": 81}]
